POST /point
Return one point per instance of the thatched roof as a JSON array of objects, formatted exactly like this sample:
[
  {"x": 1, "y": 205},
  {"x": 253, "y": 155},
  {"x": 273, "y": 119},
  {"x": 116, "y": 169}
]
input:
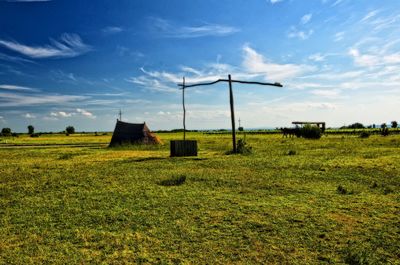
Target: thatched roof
[{"x": 132, "y": 133}]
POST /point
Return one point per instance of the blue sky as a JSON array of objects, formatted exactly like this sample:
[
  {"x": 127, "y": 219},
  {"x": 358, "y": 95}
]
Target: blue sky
[{"x": 73, "y": 62}]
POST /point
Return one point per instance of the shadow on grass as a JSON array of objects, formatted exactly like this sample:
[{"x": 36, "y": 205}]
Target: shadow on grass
[
  {"x": 173, "y": 181},
  {"x": 144, "y": 159}
]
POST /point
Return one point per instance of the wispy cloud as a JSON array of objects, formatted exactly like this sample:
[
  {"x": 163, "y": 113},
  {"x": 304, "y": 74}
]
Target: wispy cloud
[
  {"x": 18, "y": 88},
  {"x": 337, "y": 2},
  {"x": 300, "y": 34},
  {"x": 69, "y": 45},
  {"x": 61, "y": 76},
  {"x": 20, "y": 100},
  {"x": 61, "y": 114},
  {"x": 112, "y": 30},
  {"x": 166, "y": 28},
  {"x": 338, "y": 36},
  {"x": 152, "y": 84},
  {"x": 125, "y": 51},
  {"x": 317, "y": 57},
  {"x": 29, "y": 116},
  {"x": 370, "y": 15},
  {"x": 14, "y": 59},
  {"x": 333, "y": 75},
  {"x": 328, "y": 93},
  {"x": 256, "y": 63},
  {"x": 85, "y": 113},
  {"x": 374, "y": 59},
  {"x": 274, "y": 1},
  {"x": 377, "y": 21},
  {"x": 306, "y": 18},
  {"x": 321, "y": 105},
  {"x": 65, "y": 114}
]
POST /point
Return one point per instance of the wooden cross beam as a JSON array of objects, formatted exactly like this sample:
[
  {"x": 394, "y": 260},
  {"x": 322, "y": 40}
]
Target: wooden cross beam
[{"x": 230, "y": 81}]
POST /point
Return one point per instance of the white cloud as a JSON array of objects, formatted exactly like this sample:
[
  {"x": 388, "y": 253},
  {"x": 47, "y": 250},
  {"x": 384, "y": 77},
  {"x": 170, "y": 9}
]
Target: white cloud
[
  {"x": 275, "y": 1},
  {"x": 392, "y": 58},
  {"x": 125, "y": 51},
  {"x": 326, "y": 93},
  {"x": 378, "y": 23},
  {"x": 256, "y": 63},
  {"x": 337, "y": 2},
  {"x": 18, "y": 100},
  {"x": 331, "y": 76},
  {"x": 65, "y": 114},
  {"x": 29, "y": 116},
  {"x": 370, "y": 15},
  {"x": 363, "y": 60},
  {"x": 167, "y": 29},
  {"x": 85, "y": 113},
  {"x": 69, "y": 45},
  {"x": 14, "y": 59},
  {"x": 18, "y": 88},
  {"x": 317, "y": 57},
  {"x": 339, "y": 36},
  {"x": 371, "y": 60},
  {"x": 112, "y": 30},
  {"x": 152, "y": 84},
  {"x": 324, "y": 105},
  {"x": 302, "y": 35},
  {"x": 306, "y": 18}
]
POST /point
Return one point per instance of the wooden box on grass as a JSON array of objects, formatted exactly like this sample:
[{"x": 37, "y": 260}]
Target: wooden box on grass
[{"x": 183, "y": 148}]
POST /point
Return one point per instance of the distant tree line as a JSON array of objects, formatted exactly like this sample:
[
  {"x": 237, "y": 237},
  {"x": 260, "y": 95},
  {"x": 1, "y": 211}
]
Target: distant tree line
[
  {"x": 358, "y": 125},
  {"x": 31, "y": 131}
]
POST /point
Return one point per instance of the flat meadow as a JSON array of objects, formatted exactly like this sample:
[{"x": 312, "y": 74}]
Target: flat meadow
[{"x": 72, "y": 200}]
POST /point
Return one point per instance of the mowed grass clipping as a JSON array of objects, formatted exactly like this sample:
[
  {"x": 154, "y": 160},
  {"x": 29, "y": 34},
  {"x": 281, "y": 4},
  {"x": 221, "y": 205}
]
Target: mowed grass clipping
[{"x": 292, "y": 201}]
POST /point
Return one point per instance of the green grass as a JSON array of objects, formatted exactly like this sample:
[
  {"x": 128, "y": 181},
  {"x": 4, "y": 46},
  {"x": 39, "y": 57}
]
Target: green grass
[{"x": 71, "y": 200}]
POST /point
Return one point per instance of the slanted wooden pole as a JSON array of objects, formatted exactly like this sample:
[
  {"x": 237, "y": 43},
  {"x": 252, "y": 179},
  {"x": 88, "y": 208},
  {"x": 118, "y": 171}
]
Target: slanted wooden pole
[
  {"x": 232, "y": 114},
  {"x": 184, "y": 109}
]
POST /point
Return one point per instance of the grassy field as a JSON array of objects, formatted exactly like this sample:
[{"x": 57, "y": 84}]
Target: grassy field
[{"x": 71, "y": 200}]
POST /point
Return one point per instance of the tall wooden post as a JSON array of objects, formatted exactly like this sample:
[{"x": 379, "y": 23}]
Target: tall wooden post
[
  {"x": 230, "y": 81},
  {"x": 232, "y": 114},
  {"x": 184, "y": 110}
]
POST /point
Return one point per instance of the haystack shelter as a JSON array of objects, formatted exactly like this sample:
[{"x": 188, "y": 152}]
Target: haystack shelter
[
  {"x": 320, "y": 124},
  {"x": 132, "y": 133}
]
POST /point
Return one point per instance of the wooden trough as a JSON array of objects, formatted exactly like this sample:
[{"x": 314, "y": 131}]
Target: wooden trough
[{"x": 183, "y": 148}]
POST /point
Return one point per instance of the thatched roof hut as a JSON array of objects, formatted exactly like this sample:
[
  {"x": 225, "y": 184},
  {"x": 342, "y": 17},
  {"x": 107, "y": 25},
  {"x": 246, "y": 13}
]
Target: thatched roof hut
[{"x": 132, "y": 133}]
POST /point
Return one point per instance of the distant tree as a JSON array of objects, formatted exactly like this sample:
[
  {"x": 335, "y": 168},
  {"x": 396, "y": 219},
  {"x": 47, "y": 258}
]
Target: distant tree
[
  {"x": 70, "y": 130},
  {"x": 374, "y": 125},
  {"x": 383, "y": 125},
  {"x": 6, "y": 131},
  {"x": 385, "y": 131},
  {"x": 241, "y": 129},
  {"x": 31, "y": 129},
  {"x": 394, "y": 124},
  {"x": 356, "y": 125}
]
